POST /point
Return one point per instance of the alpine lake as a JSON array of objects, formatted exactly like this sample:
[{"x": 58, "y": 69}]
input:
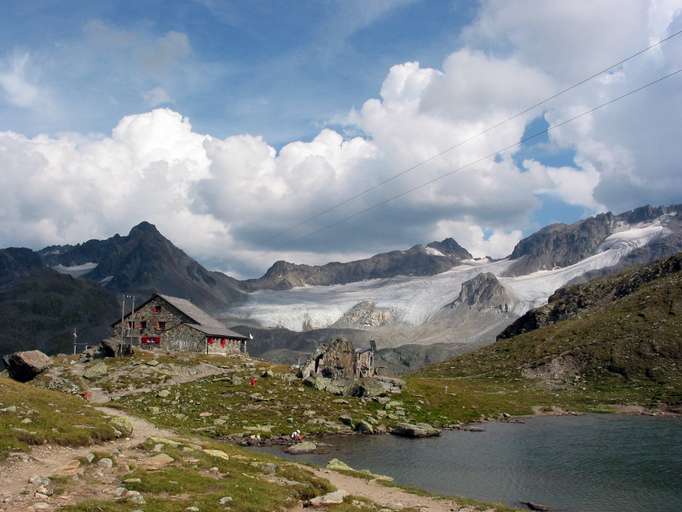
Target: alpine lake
[{"x": 589, "y": 463}]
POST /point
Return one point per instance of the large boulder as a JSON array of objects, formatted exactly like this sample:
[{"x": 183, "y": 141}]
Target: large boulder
[
  {"x": 415, "y": 430},
  {"x": 301, "y": 448},
  {"x": 25, "y": 366},
  {"x": 338, "y": 386},
  {"x": 114, "y": 348},
  {"x": 332, "y": 498},
  {"x": 368, "y": 388},
  {"x": 319, "y": 383},
  {"x": 122, "y": 425},
  {"x": 96, "y": 371},
  {"x": 364, "y": 427}
]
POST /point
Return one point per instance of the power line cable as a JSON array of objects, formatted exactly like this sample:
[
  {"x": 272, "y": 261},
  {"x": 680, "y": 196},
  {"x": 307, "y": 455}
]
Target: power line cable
[
  {"x": 489, "y": 156},
  {"x": 479, "y": 134}
]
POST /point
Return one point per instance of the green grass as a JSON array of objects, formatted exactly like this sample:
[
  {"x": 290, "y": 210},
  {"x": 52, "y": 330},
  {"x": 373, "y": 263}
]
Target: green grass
[
  {"x": 198, "y": 479},
  {"x": 275, "y": 406},
  {"x": 55, "y": 418}
]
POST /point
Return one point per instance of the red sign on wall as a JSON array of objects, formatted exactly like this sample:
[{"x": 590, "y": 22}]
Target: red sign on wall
[{"x": 150, "y": 340}]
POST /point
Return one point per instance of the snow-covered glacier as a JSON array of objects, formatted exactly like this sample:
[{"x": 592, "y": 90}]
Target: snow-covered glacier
[{"x": 414, "y": 299}]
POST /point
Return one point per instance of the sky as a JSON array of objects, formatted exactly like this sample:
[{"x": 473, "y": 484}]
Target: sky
[{"x": 247, "y": 132}]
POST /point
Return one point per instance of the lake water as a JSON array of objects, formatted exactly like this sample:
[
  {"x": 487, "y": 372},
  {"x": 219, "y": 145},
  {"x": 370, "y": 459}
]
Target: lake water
[{"x": 592, "y": 463}]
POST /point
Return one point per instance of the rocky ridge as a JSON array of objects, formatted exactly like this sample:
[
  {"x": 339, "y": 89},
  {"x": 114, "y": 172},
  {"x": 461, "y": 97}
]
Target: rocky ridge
[
  {"x": 561, "y": 245},
  {"x": 572, "y": 301},
  {"x": 419, "y": 260}
]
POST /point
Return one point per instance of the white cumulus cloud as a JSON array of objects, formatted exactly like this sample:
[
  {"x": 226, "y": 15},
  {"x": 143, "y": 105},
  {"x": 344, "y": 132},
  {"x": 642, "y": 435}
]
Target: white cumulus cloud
[{"x": 232, "y": 201}]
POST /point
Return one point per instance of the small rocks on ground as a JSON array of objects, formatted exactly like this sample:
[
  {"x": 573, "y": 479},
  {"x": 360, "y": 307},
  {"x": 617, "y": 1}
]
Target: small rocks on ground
[
  {"x": 157, "y": 461},
  {"x": 332, "y": 498},
  {"x": 105, "y": 462}
]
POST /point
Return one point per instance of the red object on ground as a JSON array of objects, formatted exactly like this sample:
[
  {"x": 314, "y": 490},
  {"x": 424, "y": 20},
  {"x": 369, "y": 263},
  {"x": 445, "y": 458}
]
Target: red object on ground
[
  {"x": 252, "y": 381},
  {"x": 87, "y": 395}
]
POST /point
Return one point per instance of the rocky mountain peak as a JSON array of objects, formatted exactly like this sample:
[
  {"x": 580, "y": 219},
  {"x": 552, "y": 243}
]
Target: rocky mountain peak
[
  {"x": 280, "y": 267},
  {"x": 146, "y": 229},
  {"x": 485, "y": 291},
  {"x": 450, "y": 247}
]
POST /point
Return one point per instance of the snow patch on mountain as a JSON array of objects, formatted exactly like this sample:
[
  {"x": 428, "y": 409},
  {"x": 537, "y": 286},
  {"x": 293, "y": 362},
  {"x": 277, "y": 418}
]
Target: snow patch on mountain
[
  {"x": 76, "y": 270},
  {"x": 433, "y": 252}
]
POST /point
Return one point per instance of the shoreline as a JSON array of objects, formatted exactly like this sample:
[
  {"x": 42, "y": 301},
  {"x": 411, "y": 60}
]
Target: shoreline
[
  {"x": 369, "y": 455},
  {"x": 619, "y": 410}
]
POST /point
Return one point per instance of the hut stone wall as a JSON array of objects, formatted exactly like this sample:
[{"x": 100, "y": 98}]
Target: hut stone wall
[{"x": 151, "y": 321}]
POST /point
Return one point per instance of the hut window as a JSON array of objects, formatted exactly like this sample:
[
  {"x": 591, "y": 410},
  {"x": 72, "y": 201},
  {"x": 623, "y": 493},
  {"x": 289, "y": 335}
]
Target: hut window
[
  {"x": 143, "y": 324},
  {"x": 210, "y": 341},
  {"x": 222, "y": 342},
  {"x": 161, "y": 325},
  {"x": 156, "y": 309}
]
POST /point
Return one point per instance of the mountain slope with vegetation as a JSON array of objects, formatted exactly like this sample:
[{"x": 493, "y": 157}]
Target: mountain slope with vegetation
[
  {"x": 40, "y": 308},
  {"x": 624, "y": 351}
]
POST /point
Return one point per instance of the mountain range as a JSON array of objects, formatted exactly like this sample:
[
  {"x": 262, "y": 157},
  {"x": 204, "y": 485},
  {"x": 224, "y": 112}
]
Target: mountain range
[
  {"x": 435, "y": 293},
  {"x": 473, "y": 300}
]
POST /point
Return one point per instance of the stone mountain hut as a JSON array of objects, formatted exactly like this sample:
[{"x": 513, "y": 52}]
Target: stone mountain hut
[{"x": 174, "y": 324}]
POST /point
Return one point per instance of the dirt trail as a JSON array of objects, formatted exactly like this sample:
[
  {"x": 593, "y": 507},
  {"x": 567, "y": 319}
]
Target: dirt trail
[
  {"x": 45, "y": 461},
  {"x": 390, "y": 497}
]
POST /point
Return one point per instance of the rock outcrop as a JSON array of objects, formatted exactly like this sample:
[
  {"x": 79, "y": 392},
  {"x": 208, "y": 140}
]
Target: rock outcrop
[
  {"x": 301, "y": 448},
  {"x": 365, "y": 315},
  {"x": 415, "y": 430},
  {"x": 339, "y": 360},
  {"x": 25, "y": 366},
  {"x": 483, "y": 291},
  {"x": 111, "y": 347},
  {"x": 481, "y": 310}
]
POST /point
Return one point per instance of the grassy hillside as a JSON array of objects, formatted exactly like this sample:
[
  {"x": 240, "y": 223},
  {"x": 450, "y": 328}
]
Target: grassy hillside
[
  {"x": 32, "y": 416},
  {"x": 193, "y": 469},
  {"x": 627, "y": 351}
]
